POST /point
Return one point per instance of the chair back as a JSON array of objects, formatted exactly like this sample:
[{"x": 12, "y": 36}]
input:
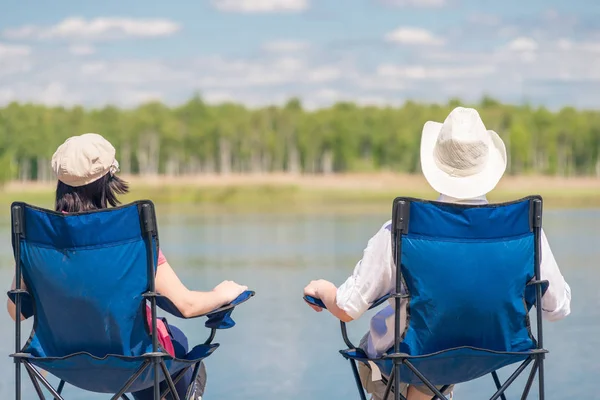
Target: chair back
[
  {"x": 467, "y": 269},
  {"x": 87, "y": 273}
]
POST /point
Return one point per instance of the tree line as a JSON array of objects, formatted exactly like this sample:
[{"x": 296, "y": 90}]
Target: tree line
[{"x": 198, "y": 138}]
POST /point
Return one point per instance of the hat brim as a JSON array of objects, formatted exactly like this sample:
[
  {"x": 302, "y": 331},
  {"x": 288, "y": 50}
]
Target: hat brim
[{"x": 461, "y": 187}]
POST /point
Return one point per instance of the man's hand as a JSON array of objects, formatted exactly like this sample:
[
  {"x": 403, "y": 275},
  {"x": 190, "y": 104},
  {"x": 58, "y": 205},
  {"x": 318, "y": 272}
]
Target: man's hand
[
  {"x": 317, "y": 289},
  {"x": 311, "y": 290}
]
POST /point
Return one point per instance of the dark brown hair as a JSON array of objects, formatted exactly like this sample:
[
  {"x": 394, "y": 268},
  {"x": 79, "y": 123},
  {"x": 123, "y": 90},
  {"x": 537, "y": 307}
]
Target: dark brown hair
[{"x": 93, "y": 196}]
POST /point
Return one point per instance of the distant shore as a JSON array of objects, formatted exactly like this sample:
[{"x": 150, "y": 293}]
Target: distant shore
[{"x": 313, "y": 193}]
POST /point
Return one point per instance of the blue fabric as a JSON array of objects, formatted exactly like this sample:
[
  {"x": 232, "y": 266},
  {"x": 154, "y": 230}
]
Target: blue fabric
[
  {"x": 222, "y": 319},
  {"x": 86, "y": 274},
  {"x": 454, "y": 221},
  {"x": 466, "y": 270},
  {"x": 448, "y": 367},
  {"x": 109, "y": 374}
]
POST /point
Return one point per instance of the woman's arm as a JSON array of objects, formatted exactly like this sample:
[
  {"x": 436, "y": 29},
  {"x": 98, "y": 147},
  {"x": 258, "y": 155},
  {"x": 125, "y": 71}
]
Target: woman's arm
[
  {"x": 10, "y": 306},
  {"x": 191, "y": 303}
]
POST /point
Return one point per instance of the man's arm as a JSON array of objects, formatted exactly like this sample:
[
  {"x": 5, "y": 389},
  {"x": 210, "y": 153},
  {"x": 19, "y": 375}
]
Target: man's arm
[
  {"x": 372, "y": 278},
  {"x": 556, "y": 302},
  {"x": 327, "y": 293}
]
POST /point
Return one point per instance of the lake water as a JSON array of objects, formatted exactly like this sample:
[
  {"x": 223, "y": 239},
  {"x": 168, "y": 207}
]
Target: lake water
[{"x": 281, "y": 349}]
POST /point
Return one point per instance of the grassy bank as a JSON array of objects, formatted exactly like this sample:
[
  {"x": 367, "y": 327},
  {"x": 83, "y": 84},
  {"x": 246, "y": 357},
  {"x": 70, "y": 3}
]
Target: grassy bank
[{"x": 283, "y": 193}]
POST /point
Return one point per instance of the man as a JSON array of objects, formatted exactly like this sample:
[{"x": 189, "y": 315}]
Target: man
[{"x": 463, "y": 161}]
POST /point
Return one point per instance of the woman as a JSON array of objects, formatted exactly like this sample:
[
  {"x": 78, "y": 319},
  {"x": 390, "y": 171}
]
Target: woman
[
  {"x": 462, "y": 161},
  {"x": 85, "y": 167}
]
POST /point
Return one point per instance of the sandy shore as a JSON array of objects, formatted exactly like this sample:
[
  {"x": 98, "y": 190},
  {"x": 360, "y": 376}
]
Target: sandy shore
[
  {"x": 379, "y": 181},
  {"x": 276, "y": 192}
]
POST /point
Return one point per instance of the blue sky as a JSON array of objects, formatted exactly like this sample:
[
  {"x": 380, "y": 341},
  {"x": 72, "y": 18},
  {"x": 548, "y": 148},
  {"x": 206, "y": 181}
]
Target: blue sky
[{"x": 264, "y": 51}]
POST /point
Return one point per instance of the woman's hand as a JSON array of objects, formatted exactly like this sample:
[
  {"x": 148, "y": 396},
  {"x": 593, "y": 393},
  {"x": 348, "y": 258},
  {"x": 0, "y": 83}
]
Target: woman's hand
[{"x": 229, "y": 290}]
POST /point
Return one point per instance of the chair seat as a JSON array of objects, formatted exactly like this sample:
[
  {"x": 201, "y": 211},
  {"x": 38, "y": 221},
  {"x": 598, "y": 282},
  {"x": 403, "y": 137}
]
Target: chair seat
[
  {"x": 108, "y": 374},
  {"x": 456, "y": 365}
]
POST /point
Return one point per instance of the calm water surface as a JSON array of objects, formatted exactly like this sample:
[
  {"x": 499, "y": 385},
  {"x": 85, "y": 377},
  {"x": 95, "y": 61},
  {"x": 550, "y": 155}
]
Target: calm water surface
[{"x": 281, "y": 349}]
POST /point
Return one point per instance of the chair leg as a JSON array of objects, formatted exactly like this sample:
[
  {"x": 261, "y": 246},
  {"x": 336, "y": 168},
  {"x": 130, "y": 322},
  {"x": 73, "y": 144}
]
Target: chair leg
[
  {"x": 61, "y": 386},
  {"x": 169, "y": 380},
  {"x": 128, "y": 384},
  {"x": 124, "y": 397},
  {"x": 498, "y": 384},
  {"x": 361, "y": 391},
  {"x": 388, "y": 386},
  {"x": 423, "y": 379},
  {"x": 529, "y": 381},
  {"x": 18, "y": 377},
  {"x": 542, "y": 391},
  {"x": 179, "y": 376},
  {"x": 36, "y": 386},
  {"x": 511, "y": 378},
  {"x": 156, "y": 362},
  {"x": 189, "y": 392},
  {"x": 443, "y": 389},
  {"x": 43, "y": 380}
]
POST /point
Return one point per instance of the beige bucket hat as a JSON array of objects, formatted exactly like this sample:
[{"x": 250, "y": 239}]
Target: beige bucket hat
[
  {"x": 84, "y": 159},
  {"x": 461, "y": 158}
]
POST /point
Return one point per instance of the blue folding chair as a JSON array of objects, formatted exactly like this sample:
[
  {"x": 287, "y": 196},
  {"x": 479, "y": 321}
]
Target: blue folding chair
[
  {"x": 471, "y": 276},
  {"x": 89, "y": 277}
]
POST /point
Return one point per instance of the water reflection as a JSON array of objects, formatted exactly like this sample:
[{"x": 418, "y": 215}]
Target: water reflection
[{"x": 281, "y": 349}]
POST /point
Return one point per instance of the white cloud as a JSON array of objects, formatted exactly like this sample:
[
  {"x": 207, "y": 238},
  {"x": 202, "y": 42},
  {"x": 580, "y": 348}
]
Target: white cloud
[
  {"x": 420, "y": 72},
  {"x": 568, "y": 45},
  {"x": 134, "y": 72},
  {"x": 261, "y": 6},
  {"x": 7, "y": 95},
  {"x": 523, "y": 44},
  {"x": 51, "y": 93},
  {"x": 324, "y": 74},
  {"x": 14, "y": 59},
  {"x": 80, "y": 29},
  {"x": 81, "y": 49},
  {"x": 284, "y": 46},
  {"x": 8, "y": 50},
  {"x": 413, "y": 36},
  {"x": 216, "y": 72},
  {"x": 327, "y": 94},
  {"x": 430, "y": 74},
  {"x": 415, "y": 3}
]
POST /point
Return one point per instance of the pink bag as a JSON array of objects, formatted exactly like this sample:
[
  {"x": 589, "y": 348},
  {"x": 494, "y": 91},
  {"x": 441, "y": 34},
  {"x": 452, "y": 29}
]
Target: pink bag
[{"x": 163, "y": 333}]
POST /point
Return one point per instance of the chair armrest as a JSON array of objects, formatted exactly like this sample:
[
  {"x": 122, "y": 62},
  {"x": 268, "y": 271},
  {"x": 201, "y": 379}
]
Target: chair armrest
[
  {"x": 317, "y": 302},
  {"x": 219, "y": 318},
  {"x": 26, "y": 301},
  {"x": 314, "y": 301},
  {"x": 531, "y": 291}
]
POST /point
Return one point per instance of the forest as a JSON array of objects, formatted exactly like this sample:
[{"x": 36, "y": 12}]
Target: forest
[{"x": 199, "y": 138}]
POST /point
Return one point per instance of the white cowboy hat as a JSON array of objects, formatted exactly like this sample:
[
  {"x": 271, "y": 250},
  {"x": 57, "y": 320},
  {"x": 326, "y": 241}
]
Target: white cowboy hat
[{"x": 461, "y": 158}]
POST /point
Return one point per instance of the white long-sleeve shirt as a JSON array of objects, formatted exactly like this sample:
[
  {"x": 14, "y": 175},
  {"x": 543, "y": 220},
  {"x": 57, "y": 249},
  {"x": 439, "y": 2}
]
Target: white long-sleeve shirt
[{"x": 374, "y": 277}]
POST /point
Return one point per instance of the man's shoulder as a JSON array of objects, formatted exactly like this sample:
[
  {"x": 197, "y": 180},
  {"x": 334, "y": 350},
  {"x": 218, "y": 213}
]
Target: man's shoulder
[{"x": 386, "y": 227}]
